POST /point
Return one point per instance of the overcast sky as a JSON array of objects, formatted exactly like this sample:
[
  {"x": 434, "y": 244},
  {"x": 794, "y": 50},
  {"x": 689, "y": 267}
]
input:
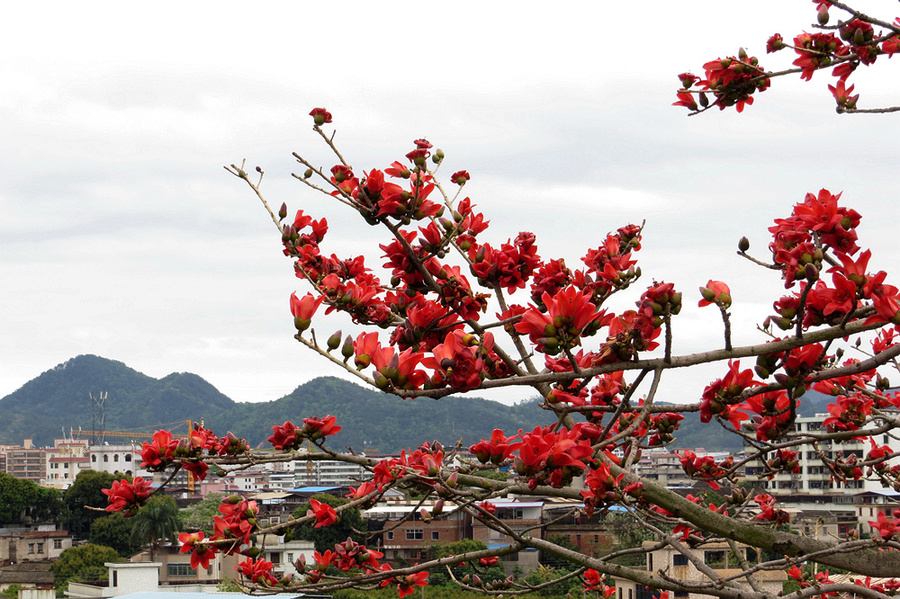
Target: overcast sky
[{"x": 121, "y": 235}]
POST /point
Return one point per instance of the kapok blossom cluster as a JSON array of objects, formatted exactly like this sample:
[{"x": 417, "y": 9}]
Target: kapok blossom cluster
[{"x": 733, "y": 80}]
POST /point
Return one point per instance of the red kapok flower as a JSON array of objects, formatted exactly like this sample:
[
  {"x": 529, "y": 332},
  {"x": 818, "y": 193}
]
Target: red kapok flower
[
  {"x": 317, "y": 428},
  {"x": 201, "y": 553},
  {"x": 258, "y": 571},
  {"x": 320, "y": 116},
  {"x": 715, "y": 292},
  {"x": 303, "y": 309},
  {"x": 128, "y": 496},
  {"x": 324, "y": 513},
  {"x": 158, "y": 453},
  {"x": 460, "y": 177}
]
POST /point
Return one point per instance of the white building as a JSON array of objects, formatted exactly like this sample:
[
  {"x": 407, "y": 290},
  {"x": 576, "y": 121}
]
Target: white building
[
  {"x": 120, "y": 458},
  {"x": 64, "y": 461},
  {"x": 814, "y": 476},
  {"x": 329, "y": 473}
]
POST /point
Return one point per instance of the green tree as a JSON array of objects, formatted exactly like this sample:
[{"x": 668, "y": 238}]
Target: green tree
[
  {"x": 554, "y": 561},
  {"x": 87, "y": 492},
  {"x": 629, "y": 533},
  {"x": 439, "y": 577},
  {"x": 114, "y": 531},
  {"x": 85, "y": 562},
  {"x": 157, "y": 521},
  {"x": 199, "y": 516},
  {"x": 351, "y": 525},
  {"x": 11, "y": 592},
  {"x": 22, "y": 500}
]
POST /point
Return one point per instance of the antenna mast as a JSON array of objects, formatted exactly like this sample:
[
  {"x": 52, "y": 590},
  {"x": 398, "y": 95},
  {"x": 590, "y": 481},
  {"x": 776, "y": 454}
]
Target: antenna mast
[{"x": 98, "y": 417}]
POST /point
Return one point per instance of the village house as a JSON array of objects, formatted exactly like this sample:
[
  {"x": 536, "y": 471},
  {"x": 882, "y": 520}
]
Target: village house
[{"x": 717, "y": 555}]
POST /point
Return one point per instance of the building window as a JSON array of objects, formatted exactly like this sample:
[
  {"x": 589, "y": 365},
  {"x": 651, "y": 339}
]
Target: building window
[
  {"x": 181, "y": 570},
  {"x": 115, "y": 457},
  {"x": 435, "y": 535},
  {"x": 390, "y": 535},
  {"x": 30, "y": 548},
  {"x": 650, "y": 562},
  {"x": 276, "y": 557},
  {"x": 290, "y": 558},
  {"x": 57, "y": 543},
  {"x": 93, "y": 458},
  {"x": 127, "y": 457},
  {"x": 415, "y": 534},
  {"x": 40, "y": 548},
  {"x": 679, "y": 560},
  {"x": 715, "y": 558},
  {"x": 105, "y": 457}
]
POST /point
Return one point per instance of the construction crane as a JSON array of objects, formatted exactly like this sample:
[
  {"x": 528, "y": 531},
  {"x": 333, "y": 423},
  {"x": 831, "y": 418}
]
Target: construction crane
[
  {"x": 83, "y": 432},
  {"x": 80, "y": 432}
]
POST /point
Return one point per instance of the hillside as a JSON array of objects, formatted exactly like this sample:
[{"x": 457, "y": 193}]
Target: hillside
[
  {"x": 59, "y": 399},
  {"x": 372, "y": 419}
]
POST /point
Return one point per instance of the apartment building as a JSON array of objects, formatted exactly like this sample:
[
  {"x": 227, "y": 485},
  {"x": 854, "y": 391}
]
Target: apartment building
[
  {"x": 26, "y": 462},
  {"x": 814, "y": 476},
  {"x": 328, "y": 473},
  {"x": 406, "y": 535}
]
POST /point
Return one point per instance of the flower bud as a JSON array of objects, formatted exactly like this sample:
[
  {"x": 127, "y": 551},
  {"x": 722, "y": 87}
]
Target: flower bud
[
  {"x": 334, "y": 341},
  {"x": 822, "y": 15},
  {"x": 347, "y": 349},
  {"x": 744, "y": 244},
  {"x": 308, "y": 173},
  {"x": 382, "y": 382},
  {"x": 811, "y": 272},
  {"x": 282, "y": 212}
]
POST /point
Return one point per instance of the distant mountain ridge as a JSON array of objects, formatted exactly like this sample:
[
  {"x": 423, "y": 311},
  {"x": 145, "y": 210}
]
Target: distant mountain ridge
[{"x": 58, "y": 400}]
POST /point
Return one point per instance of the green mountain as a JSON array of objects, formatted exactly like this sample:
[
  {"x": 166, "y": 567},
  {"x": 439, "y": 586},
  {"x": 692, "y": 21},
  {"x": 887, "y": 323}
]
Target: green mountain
[
  {"x": 59, "y": 400},
  {"x": 373, "y": 419}
]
